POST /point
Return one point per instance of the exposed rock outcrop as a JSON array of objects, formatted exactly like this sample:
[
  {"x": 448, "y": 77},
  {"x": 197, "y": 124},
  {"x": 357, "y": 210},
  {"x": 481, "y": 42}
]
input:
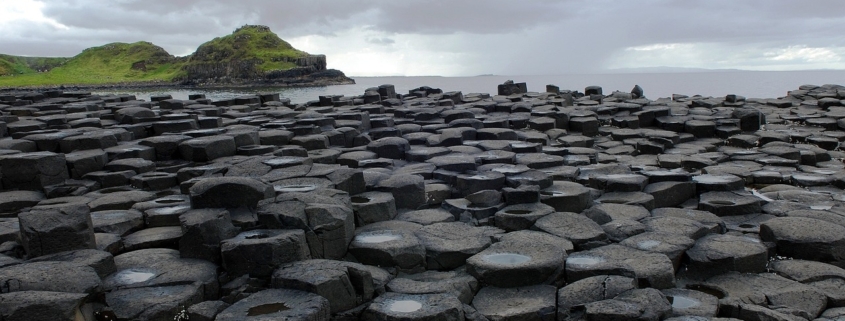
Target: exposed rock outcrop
[{"x": 254, "y": 54}]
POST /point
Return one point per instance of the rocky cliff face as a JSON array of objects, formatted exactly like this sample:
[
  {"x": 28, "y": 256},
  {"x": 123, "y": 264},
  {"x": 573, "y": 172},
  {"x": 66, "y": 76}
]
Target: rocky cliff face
[
  {"x": 308, "y": 68},
  {"x": 248, "y": 69},
  {"x": 241, "y": 69},
  {"x": 252, "y": 54},
  {"x": 317, "y": 61}
]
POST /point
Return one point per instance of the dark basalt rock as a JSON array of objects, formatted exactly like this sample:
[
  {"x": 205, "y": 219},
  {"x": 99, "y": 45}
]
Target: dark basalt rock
[
  {"x": 346, "y": 285},
  {"x": 805, "y": 238},
  {"x": 759, "y": 295},
  {"x": 260, "y": 252},
  {"x": 33, "y": 171},
  {"x": 102, "y": 262},
  {"x": 448, "y": 245},
  {"x": 41, "y": 305},
  {"x": 457, "y": 283},
  {"x": 278, "y": 303},
  {"x": 716, "y": 254},
  {"x": 388, "y": 248},
  {"x": 229, "y": 192},
  {"x": 515, "y": 263},
  {"x": 204, "y": 230},
  {"x": 41, "y": 276},
  {"x": 529, "y": 303},
  {"x": 48, "y": 231},
  {"x": 426, "y": 205}
]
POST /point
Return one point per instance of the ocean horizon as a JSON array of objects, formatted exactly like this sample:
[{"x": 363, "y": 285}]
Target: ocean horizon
[{"x": 751, "y": 84}]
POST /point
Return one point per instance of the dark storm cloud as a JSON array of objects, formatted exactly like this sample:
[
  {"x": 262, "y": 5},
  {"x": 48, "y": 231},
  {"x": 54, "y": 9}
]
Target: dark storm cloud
[
  {"x": 541, "y": 36},
  {"x": 660, "y": 19},
  {"x": 411, "y": 16}
]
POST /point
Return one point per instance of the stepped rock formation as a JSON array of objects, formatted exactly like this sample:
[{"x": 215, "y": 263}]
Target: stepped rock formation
[
  {"x": 425, "y": 205},
  {"x": 253, "y": 54}
]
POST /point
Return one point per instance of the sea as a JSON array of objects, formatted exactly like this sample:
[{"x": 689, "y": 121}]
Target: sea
[{"x": 751, "y": 84}]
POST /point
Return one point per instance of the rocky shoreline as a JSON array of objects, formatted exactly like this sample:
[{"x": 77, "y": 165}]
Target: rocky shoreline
[
  {"x": 330, "y": 77},
  {"x": 430, "y": 205}
]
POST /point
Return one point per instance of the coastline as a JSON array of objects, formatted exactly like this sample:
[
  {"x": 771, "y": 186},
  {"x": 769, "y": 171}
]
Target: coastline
[{"x": 285, "y": 83}]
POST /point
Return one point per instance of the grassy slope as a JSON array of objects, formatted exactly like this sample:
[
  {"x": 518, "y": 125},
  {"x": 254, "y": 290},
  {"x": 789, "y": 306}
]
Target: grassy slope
[
  {"x": 16, "y": 65},
  {"x": 247, "y": 43},
  {"x": 113, "y": 63}
]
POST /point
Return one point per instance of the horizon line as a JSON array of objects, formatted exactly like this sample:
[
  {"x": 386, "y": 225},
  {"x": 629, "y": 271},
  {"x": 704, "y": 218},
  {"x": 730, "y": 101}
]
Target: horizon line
[{"x": 644, "y": 70}]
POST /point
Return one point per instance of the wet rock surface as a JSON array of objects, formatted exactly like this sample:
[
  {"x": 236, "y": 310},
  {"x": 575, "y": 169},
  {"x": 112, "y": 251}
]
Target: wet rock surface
[
  {"x": 429, "y": 205},
  {"x": 278, "y": 304}
]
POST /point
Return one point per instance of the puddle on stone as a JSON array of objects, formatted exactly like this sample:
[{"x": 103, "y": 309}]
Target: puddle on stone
[
  {"x": 254, "y": 235},
  {"x": 682, "y": 302},
  {"x": 133, "y": 276},
  {"x": 282, "y": 161},
  {"x": 404, "y": 306},
  {"x": 751, "y": 239},
  {"x": 377, "y": 238},
  {"x": 172, "y": 210},
  {"x": 267, "y": 309},
  {"x": 622, "y": 176},
  {"x": 508, "y": 170},
  {"x": 507, "y": 258},
  {"x": 821, "y": 207},
  {"x": 648, "y": 244},
  {"x": 523, "y": 145},
  {"x": 584, "y": 260},
  {"x": 295, "y": 188},
  {"x": 745, "y": 152},
  {"x": 711, "y": 179}
]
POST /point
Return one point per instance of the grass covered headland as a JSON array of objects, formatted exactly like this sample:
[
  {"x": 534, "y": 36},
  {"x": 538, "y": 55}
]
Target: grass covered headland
[{"x": 251, "y": 54}]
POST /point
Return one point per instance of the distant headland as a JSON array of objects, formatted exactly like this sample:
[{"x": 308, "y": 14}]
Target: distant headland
[{"x": 251, "y": 55}]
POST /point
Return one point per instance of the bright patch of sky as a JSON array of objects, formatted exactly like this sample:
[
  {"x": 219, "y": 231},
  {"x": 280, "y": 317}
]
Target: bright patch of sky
[{"x": 25, "y": 11}]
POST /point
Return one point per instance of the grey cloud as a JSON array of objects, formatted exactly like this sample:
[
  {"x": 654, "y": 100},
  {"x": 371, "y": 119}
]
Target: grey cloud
[
  {"x": 501, "y": 36},
  {"x": 309, "y": 16},
  {"x": 477, "y": 17},
  {"x": 381, "y": 41},
  {"x": 628, "y": 22}
]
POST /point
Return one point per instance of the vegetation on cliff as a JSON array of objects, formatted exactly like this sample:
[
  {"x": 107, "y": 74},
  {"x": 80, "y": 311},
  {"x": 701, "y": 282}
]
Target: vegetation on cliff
[
  {"x": 249, "y": 43},
  {"x": 248, "y": 53},
  {"x": 112, "y": 63},
  {"x": 16, "y": 65}
]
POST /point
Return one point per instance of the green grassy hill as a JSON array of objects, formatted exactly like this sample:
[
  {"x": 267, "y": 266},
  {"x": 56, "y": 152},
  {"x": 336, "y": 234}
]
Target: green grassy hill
[
  {"x": 254, "y": 49},
  {"x": 17, "y": 65},
  {"x": 112, "y": 63},
  {"x": 249, "y": 43}
]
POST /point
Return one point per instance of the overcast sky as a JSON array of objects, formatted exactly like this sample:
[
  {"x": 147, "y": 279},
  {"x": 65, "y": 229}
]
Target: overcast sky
[{"x": 458, "y": 38}]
